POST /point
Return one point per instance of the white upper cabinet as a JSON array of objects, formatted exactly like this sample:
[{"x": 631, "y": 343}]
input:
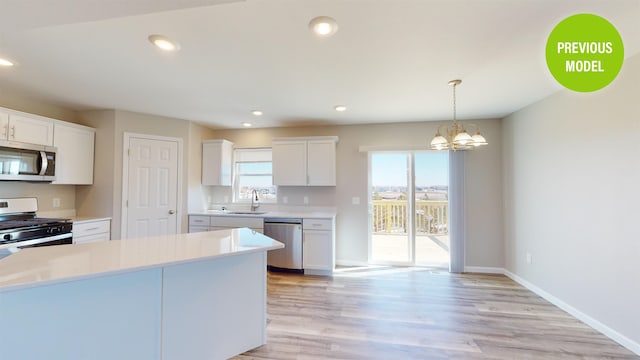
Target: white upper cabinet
[
  {"x": 4, "y": 125},
  {"x": 217, "y": 162},
  {"x": 321, "y": 162},
  {"x": 304, "y": 161},
  {"x": 74, "y": 157},
  {"x": 25, "y": 128},
  {"x": 289, "y": 164}
]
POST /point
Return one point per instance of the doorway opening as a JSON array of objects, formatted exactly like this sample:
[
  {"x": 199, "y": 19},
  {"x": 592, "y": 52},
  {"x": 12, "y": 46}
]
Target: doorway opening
[{"x": 409, "y": 208}]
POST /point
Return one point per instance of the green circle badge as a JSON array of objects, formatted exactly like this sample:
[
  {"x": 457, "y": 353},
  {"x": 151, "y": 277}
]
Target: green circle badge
[{"x": 584, "y": 52}]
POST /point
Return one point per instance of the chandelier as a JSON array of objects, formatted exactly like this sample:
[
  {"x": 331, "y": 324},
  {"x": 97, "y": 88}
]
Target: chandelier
[{"x": 456, "y": 136}]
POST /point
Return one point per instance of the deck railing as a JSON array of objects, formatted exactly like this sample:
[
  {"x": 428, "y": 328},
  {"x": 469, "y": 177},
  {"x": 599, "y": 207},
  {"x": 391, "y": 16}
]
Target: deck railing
[{"x": 391, "y": 217}]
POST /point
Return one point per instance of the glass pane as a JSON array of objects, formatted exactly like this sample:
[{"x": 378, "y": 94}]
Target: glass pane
[
  {"x": 390, "y": 233},
  {"x": 432, "y": 202},
  {"x": 262, "y": 184},
  {"x": 254, "y": 168}
]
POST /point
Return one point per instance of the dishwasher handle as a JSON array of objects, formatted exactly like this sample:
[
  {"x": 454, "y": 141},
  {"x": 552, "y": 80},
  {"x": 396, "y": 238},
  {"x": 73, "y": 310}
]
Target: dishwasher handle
[{"x": 283, "y": 221}]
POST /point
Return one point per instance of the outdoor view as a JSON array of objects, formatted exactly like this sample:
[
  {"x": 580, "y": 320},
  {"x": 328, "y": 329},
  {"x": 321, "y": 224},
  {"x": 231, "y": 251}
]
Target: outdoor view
[
  {"x": 255, "y": 176},
  {"x": 392, "y": 239}
]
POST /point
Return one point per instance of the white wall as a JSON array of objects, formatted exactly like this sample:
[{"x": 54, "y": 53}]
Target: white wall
[
  {"x": 483, "y": 185},
  {"x": 572, "y": 199},
  {"x": 197, "y": 198},
  {"x": 104, "y": 198}
]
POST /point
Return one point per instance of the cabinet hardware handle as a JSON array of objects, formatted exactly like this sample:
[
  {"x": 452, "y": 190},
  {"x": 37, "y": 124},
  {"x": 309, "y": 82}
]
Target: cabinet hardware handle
[
  {"x": 4, "y": 130},
  {"x": 171, "y": 212},
  {"x": 13, "y": 132},
  {"x": 92, "y": 229}
]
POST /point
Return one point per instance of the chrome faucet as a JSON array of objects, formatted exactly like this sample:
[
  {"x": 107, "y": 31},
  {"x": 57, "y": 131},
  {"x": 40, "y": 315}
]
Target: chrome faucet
[{"x": 254, "y": 200}]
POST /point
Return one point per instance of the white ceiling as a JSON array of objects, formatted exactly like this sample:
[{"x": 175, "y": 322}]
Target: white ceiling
[{"x": 389, "y": 61}]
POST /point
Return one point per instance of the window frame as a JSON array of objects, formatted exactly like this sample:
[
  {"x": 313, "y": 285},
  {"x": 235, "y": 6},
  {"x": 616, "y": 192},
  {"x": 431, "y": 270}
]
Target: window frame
[{"x": 237, "y": 175}]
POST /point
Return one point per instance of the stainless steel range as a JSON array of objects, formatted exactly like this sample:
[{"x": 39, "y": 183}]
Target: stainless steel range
[{"x": 21, "y": 228}]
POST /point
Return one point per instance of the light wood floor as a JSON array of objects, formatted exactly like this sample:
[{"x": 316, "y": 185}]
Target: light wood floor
[{"x": 420, "y": 313}]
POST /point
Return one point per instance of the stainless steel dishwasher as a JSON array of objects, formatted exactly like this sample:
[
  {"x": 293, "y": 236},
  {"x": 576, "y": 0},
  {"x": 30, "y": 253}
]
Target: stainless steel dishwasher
[{"x": 289, "y": 232}]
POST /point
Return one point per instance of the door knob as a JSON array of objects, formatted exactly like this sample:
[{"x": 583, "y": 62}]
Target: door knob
[{"x": 171, "y": 212}]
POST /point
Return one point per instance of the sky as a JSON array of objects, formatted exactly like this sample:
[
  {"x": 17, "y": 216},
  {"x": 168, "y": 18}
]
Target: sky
[{"x": 390, "y": 169}]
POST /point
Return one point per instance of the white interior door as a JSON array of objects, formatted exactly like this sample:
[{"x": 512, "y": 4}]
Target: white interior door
[{"x": 152, "y": 187}]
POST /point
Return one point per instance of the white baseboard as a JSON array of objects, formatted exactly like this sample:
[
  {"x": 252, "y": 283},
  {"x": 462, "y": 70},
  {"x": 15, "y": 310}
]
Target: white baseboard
[
  {"x": 351, "y": 263},
  {"x": 483, "y": 270},
  {"x": 607, "y": 331}
]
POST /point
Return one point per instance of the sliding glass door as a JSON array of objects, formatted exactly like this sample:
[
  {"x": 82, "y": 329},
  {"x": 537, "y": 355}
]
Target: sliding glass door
[
  {"x": 409, "y": 208},
  {"x": 389, "y": 203}
]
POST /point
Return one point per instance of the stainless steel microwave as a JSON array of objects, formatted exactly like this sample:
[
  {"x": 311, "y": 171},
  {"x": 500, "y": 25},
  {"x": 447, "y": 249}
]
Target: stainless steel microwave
[{"x": 28, "y": 162}]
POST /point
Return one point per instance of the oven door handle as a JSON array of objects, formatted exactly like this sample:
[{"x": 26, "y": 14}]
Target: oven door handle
[
  {"x": 44, "y": 162},
  {"x": 41, "y": 240}
]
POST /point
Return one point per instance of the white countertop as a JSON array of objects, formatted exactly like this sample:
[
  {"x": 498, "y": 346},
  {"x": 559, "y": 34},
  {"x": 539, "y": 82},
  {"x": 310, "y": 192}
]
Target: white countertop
[
  {"x": 39, "y": 266},
  {"x": 269, "y": 214}
]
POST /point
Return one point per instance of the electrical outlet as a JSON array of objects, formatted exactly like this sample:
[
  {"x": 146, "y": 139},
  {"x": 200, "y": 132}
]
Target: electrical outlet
[
  {"x": 305, "y": 199},
  {"x": 56, "y": 202},
  {"x": 285, "y": 199},
  {"x": 529, "y": 259}
]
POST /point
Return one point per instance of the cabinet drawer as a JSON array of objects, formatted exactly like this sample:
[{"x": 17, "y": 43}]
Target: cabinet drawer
[
  {"x": 237, "y": 222},
  {"x": 196, "y": 228},
  {"x": 317, "y": 224},
  {"x": 91, "y": 238},
  {"x": 199, "y": 220},
  {"x": 91, "y": 228}
]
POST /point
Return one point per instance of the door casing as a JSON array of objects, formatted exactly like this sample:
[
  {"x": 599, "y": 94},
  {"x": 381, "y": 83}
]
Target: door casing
[{"x": 125, "y": 176}]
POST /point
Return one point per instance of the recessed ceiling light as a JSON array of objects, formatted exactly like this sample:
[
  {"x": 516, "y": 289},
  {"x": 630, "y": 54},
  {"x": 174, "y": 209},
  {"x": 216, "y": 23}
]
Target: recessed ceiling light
[
  {"x": 164, "y": 43},
  {"x": 323, "y": 26},
  {"x": 340, "y": 108},
  {"x": 247, "y": 124},
  {"x": 5, "y": 62},
  {"x": 256, "y": 112}
]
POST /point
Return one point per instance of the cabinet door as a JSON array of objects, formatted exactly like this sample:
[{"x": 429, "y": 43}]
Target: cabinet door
[
  {"x": 317, "y": 250},
  {"x": 321, "y": 162},
  {"x": 4, "y": 126},
  {"x": 74, "y": 158},
  {"x": 217, "y": 162},
  {"x": 289, "y": 163},
  {"x": 30, "y": 130}
]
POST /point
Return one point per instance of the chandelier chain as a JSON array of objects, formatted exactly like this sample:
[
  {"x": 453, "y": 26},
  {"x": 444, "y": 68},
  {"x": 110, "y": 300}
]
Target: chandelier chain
[{"x": 454, "y": 103}]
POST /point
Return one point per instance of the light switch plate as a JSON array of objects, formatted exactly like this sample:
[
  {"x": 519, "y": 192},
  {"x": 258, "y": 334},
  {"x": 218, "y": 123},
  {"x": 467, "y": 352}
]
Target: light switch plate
[
  {"x": 305, "y": 199},
  {"x": 355, "y": 200}
]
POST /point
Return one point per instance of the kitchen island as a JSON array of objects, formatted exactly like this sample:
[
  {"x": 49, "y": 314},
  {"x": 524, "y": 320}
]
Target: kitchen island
[{"x": 187, "y": 296}]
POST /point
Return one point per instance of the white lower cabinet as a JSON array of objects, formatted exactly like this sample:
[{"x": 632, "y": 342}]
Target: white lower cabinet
[
  {"x": 91, "y": 231},
  {"x": 199, "y": 223},
  {"x": 318, "y": 237},
  {"x": 318, "y": 244}
]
